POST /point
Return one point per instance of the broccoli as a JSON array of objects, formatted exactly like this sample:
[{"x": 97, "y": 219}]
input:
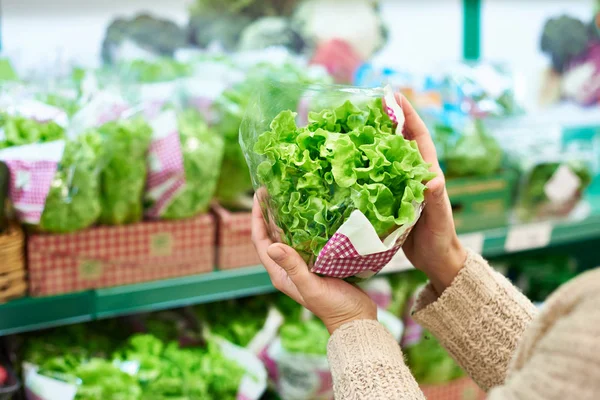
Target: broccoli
[
  {"x": 159, "y": 36},
  {"x": 564, "y": 39}
]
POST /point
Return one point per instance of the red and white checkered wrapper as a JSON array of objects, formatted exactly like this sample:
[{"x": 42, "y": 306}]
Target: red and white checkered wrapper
[
  {"x": 356, "y": 250},
  {"x": 117, "y": 255},
  {"x": 32, "y": 169},
  {"x": 166, "y": 173},
  {"x": 234, "y": 239}
]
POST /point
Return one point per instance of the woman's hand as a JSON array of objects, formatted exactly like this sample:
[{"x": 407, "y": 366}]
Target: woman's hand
[
  {"x": 433, "y": 245},
  {"x": 333, "y": 300}
]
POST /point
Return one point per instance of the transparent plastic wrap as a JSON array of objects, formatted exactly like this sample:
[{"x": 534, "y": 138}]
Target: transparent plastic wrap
[
  {"x": 343, "y": 189},
  {"x": 54, "y": 183},
  {"x": 553, "y": 186},
  {"x": 184, "y": 163}
]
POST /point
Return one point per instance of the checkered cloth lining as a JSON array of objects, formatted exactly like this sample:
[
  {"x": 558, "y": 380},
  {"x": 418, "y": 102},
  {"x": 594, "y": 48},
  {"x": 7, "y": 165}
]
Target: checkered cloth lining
[
  {"x": 339, "y": 258},
  {"x": 234, "y": 239},
  {"x": 167, "y": 166},
  {"x": 125, "y": 255},
  {"x": 391, "y": 114},
  {"x": 30, "y": 183},
  {"x": 459, "y": 389}
]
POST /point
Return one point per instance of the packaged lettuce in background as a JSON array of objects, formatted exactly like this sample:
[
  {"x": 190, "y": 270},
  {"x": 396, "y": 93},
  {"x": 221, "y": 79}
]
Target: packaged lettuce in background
[
  {"x": 235, "y": 186},
  {"x": 345, "y": 178},
  {"x": 27, "y": 121},
  {"x": 123, "y": 177},
  {"x": 553, "y": 187},
  {"x": 73, "y": 201},
  {"x": 184, "y": 161},
  {"x": 55, "y": 183}
]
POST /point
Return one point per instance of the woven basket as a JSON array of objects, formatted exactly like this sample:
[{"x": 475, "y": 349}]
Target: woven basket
[{"x": 12, "y": 264}]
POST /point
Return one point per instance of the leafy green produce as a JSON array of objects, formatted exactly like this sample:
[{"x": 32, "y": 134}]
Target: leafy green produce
[
  {"x": 305, "y": 337},
  {"x": 533, "y": 197},
  {"x": 100, "y": 379},
  {"x": 429, "y": 362},
  {"x": 237, "y": 321},
  {"x": 73, "y": 202},
  {"x": 232, "y": 106},
  {"x": 202, "y": 154},
  {"x": 124, "y": 176},
  {"x": 347, "y": 158},
  {"x": 19, "y": 130},
  {"x": 474, "y": 153},
  {"x": 162, "y": 70},
  {"x": 69, "y": 104}
]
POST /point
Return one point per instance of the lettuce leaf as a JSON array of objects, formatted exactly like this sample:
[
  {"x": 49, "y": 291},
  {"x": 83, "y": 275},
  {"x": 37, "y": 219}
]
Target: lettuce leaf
[
  {"x": 124, "y": 176},
  {"x": 19, "y": 130},
  {"x": 347, "y": 158},
  {"x": 304, "y": 337},
  {"x": 73, "y": 202},
  {"x": 202, "y": 154}
]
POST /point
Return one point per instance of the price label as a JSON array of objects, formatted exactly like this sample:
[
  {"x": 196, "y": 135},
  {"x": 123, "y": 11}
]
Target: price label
[
  {"x": 473, "y": 241},
  {"x": 528, "y": 237}
]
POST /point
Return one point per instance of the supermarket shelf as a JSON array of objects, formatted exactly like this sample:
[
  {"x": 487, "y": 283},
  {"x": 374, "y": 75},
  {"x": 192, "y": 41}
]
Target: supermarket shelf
[
  {"x": 31, "y": 314},
  {"x": 179, "y": 292}
]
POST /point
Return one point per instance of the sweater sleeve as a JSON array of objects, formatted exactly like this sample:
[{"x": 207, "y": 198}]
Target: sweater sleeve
[
  {"x": 479, "y": 319},
  {"x": 367, "y": 363}
]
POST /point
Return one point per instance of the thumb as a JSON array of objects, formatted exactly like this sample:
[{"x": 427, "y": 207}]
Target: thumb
[
  {"x": 295, "y": 267},
  {"x": 438, "y": 210}
]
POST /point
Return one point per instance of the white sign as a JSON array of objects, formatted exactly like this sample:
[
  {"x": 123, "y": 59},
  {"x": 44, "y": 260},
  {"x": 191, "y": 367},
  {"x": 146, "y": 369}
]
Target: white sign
[{"x": 526, "y": 237}]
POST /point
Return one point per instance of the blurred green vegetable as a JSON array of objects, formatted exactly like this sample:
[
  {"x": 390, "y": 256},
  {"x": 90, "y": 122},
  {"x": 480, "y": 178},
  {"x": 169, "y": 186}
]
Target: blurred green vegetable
[
  {"x": 305, "y": 337},
  {"x": 473, "y": 152},
  {"x": 124, "y": 177},
  {"x": 20, "y": 130},
  {"x": 533, "y": 201},
  {"x": 161, "y": 70},
  {"x": 237, "y": 321},
  {"x": 202, "y": 153},
  {"x": 429, "y": 362},
  {"x": 73, "y": 202}
]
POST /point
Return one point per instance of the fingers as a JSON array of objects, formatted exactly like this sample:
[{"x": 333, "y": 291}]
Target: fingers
[
  {"x": 295, "y": 267},
  {"x": 415, "y": 129},
  {"x": 262, "y": 241}
]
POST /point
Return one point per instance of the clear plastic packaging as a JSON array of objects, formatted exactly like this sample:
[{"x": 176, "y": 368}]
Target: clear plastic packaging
[{"x": 343, "y": 188}]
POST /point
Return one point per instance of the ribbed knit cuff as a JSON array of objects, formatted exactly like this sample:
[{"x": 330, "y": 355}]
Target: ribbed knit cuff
[
  {"x": 479, "y": 319},
  {"x": 366, "y": 360}
]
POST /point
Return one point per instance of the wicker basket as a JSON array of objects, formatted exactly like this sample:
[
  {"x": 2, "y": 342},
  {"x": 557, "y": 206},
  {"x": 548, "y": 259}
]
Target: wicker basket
[{"x": 12, "y": 264}]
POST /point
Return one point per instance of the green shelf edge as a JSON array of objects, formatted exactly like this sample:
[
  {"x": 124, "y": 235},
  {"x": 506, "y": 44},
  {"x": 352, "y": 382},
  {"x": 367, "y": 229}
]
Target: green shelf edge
[
  {"x": 179, "y": 292},
  {"x": 30, "y": 314}
]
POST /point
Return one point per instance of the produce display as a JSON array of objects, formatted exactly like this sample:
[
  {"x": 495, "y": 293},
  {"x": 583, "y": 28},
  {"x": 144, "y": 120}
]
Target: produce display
[
  {"x": 123, "y": 177},
  {"x": 346, "y": 158}
]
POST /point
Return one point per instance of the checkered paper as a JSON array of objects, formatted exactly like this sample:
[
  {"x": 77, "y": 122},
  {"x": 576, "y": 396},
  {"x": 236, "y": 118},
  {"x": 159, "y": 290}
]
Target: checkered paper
[
  {"x": 355, "y": 250},
  {"x": 118, "y": 255},
  {"x": 166, "y": 173},
  {"x": 234, "y": 239}
]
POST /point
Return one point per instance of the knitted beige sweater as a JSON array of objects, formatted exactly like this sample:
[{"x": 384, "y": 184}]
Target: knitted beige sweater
[{"x": 493, "y": 332}]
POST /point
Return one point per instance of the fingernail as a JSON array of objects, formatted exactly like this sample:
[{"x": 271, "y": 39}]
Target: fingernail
[{"x": 276, "y": 252}]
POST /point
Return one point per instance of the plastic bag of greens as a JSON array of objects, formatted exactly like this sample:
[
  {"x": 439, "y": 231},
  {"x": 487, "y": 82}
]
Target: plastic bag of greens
[
  {"x": 466, "y": 147},
  {"x": 235, "y": 186},
  {"x": 296, "y": 357},
  {"x": 345, "y": 189},
  {"x": 55, "y": 184},
  {"x": 552, "y": 187},
  {"x": 184, "y": 160}
]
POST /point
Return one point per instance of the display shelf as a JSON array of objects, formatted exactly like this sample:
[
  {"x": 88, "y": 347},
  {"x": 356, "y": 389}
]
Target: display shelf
[
  {"x": 179, "y": 292},
  {"x": 29, "y": 314}
]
